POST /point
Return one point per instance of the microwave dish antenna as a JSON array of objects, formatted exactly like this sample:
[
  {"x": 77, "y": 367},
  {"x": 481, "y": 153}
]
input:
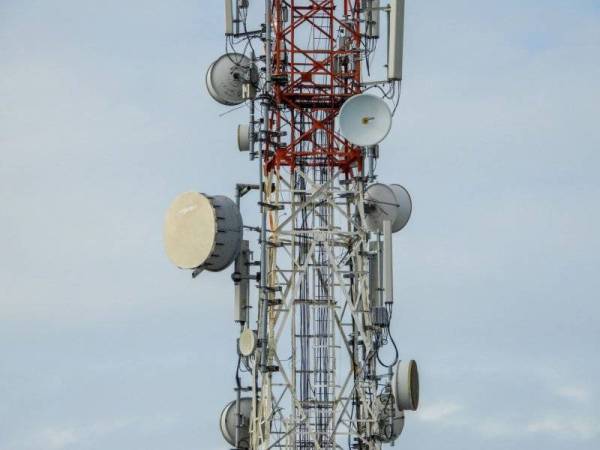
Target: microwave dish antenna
[
  {"x": 202, "y": 232},
  {"x": 226, "y": 77},
  {"x": 243, "y": 137},
  {"x": 405, "y": 385},
  {"x": 228, "y": 422},
  {"x": 365, "y": 120},
  {"x": 380, "y": 204},
  {"x": 404, "y": 203}
]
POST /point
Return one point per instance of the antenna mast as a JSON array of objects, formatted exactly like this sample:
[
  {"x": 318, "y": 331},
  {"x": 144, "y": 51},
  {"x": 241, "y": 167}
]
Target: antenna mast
[{"x": 311, "y": 372}]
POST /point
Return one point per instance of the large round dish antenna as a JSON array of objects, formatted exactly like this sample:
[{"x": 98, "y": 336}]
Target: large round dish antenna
[
  {"x": 380, "y": 205},
  {"x": 226, "y": 76},
  {"x": 404, "y": 203},
  {"x": 405, "y": 385},
  {"x": 202, "y": 232},
  {"x": 228, "y": 422},
  {"x": 365, "y": 120}
]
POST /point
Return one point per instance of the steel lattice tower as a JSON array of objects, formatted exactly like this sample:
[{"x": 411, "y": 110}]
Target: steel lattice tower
[{"x": 312, "y": 377}]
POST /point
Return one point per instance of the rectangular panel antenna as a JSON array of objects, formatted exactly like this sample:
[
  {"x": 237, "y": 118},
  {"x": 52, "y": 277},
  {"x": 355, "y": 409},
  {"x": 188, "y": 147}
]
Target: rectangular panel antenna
[
  {"x": 388, "y": 263},
  {"x": 228, "y": 17},
  {"x": 374, "y": 264},
  {"x": 373, "y": 19},
  {"x": 395, "y": 39}
]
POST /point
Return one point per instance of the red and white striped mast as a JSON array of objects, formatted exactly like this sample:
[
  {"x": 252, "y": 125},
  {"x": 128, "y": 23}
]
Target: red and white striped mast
[{"x": 311, "y": 370}]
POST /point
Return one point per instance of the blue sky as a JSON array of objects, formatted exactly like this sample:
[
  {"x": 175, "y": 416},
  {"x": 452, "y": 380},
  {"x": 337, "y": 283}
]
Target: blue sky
[{"x": 104, "y": 118}]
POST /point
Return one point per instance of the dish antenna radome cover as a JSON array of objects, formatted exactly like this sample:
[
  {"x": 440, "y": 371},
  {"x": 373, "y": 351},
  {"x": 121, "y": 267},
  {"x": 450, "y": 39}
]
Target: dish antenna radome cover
[
  {"x": 226, "y": 76},
  {"x": 202, "y": 231},
  {"x": 405, "y": 385},
  {"x": 365, "y": 120},
  {"x": 243, "y": 137}
]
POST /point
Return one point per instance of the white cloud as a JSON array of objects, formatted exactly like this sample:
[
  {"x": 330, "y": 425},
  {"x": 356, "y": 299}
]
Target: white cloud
[
  {"x": 494, "y": 428},
  {"x": 57, "y": 439},
  {"x": 438, "y": 412},
  {"x": 583, "y": 428},
  {"x": 72, "y": 436},
  {"x": 575, "y": 393}
]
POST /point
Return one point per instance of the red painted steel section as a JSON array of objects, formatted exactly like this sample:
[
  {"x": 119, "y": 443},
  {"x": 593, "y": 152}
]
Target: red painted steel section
[{"x": 314, "y": 71}]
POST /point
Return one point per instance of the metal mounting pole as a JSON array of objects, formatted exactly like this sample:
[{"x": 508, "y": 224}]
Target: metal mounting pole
[{"x": 264, "y": 322}]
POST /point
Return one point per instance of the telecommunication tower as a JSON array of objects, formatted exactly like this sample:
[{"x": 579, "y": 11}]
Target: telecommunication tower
[{"x": 314, "y": 299}]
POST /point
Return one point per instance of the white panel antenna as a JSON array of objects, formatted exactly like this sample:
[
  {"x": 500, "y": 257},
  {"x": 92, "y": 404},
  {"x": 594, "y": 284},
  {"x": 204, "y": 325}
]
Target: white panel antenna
[
  {"x": 373, "y": 19},
  {"x": 365, "y": 120},
  {"x": 388, "y": 263},
  {"x": 395, "y": 39},
  {"x": 228, "y": 17},
  {"x": 374, "y": 263}
]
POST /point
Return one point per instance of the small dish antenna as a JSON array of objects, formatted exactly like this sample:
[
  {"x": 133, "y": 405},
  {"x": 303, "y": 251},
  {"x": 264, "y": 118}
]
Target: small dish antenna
[
  {"x": 243, "y": 137},
  {"x": 380, "y": 204},
  {"x": 202, "y": 232},
  {"x": 405, "y": 385},
  {"x": 404, "y": 203},
  {"x": 226, "y": 77},
  {"x": 228, "y": 422},
  {"x": 365, "y": 120},
  {"x": 247, "y": 342}
]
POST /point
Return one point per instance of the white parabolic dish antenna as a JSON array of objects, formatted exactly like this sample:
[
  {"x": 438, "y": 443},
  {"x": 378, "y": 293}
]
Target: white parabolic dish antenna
[
  {"x": 195, "y": 235},
  {"x": 226, "y": 76},
  {"x": 365, "y": 120},
  {"x": 404, "y": 207},
  {"x": 405, "y": 385},
  {"x": 380, "y": 204},
  {"x": 243, "y": 137},
  {"x": 228, "y": 422}
]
